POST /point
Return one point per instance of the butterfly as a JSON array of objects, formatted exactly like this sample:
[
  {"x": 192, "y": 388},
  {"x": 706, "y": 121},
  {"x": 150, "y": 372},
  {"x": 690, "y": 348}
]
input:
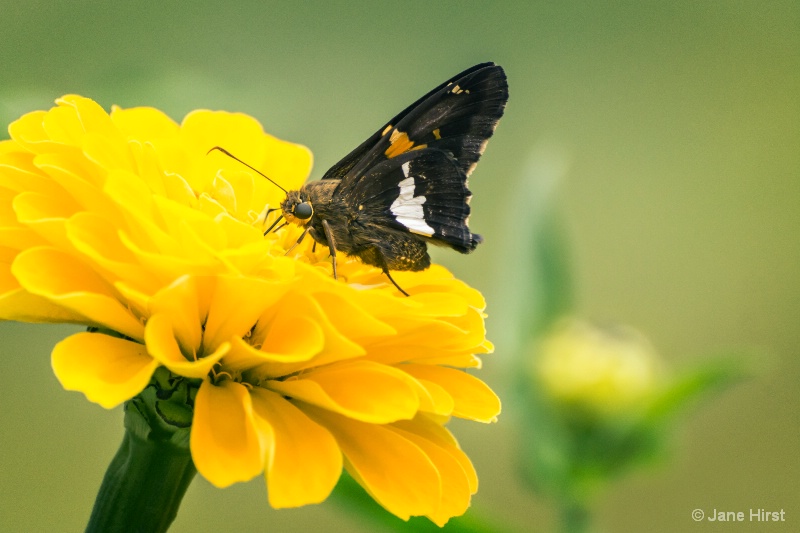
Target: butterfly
[{"x": 406, "y": 185}]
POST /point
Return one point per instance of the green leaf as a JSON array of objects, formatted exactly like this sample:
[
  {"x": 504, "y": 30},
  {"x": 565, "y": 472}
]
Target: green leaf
[
  {"x": 685, "y": 391},
  {"x": 350, "y": 494}
]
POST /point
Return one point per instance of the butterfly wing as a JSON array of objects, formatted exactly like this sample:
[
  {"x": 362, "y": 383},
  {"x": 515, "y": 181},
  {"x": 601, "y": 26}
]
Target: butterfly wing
[
  {"x": 457, "y": 117},
  {"x": 423, "y": 192},
  {"x": 407, "y": 184}
]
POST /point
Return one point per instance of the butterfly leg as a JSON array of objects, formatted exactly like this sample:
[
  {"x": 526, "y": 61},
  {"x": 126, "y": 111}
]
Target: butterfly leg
[
  {"x": 391, "y": 250},
  {"x": 275, "y": 224},
  {"x": 302, "y": 236},
  {"x": 331, "y": 244},
  {"x": 385, "y": 271}
]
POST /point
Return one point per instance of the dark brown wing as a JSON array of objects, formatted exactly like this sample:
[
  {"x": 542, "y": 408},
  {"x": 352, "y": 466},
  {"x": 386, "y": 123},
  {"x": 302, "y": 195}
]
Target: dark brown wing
[
  {"x": 421, "y": 192},
  {"x": 457, "y": 117}
]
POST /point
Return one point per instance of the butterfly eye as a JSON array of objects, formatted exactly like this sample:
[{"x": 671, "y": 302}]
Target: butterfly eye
[{"x": 303, "y": 211}]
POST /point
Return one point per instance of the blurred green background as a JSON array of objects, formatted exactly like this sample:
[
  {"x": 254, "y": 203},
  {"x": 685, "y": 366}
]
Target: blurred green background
[{"x": 666, "y": 133}]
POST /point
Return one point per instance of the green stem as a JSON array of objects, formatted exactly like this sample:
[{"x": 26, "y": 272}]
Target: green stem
[
  {"x": 145, "y": 482},
  {"x": 143, "y": 486}
]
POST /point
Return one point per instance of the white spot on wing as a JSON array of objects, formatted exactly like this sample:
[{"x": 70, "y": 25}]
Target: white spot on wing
[
  {"x": 407, "y": 208},
  {"x": 406, "y": 166}
]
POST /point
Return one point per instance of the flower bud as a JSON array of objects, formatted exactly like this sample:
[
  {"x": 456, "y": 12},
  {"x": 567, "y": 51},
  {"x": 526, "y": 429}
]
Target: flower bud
[{"x": 599, "y": 370}]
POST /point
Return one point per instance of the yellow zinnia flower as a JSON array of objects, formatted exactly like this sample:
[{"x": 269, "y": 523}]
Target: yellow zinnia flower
[{"x": 122, "y": 222}]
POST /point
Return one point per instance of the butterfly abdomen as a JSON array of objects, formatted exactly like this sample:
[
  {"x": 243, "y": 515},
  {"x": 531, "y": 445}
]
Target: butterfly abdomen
[{"x": 394, "y": 251}]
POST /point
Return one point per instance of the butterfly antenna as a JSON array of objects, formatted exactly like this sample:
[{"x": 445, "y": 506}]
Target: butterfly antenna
[{"x": 224, "y": 151}]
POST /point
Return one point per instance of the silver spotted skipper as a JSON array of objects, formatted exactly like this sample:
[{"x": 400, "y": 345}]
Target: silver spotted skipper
[{"x": 406, "y": 185}]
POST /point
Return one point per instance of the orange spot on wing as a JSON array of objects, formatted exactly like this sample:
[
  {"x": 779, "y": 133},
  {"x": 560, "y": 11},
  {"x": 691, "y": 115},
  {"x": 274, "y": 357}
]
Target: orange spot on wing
[{"x": 400, "y": 144}]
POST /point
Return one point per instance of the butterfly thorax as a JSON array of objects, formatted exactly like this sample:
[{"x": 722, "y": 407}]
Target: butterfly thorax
[{"x": 355, "y": 231}]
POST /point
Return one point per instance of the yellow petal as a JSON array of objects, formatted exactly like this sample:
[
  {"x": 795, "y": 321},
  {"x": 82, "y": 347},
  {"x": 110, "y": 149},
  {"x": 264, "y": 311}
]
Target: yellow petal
[
  {"x": 45, "y": 215},
  {"x": 82, "y": 123},
  {"x": 436, "y": 400},
  {"x": 108, "y": 370},
  {"x": 162, "y": 263},
  {"x": 195, "y": 231},
  {"x": 337, "y": 346},
  {"x": 236, "y": 305},
  {"x": 93, "y": 118},
  {"x": 137, "y": 301},
  {"x": 305, "y": 462},
  {"x": 289, "y": 340},
  {"x": 439, "y": 279},
  {"x": 236, "y": 132},
  {"x": 18, "y": 173},
  {"x": 393, "y": 470},
  {"x": 163, "y": 346},
  {"x": 148, "y": 168},
  {"x": 292, "y": 338},
  {"x": 352, "y": 320},
  {"x": 19, "y": 304},
  {"x": 362, "y": 390},
  {"x": 256, "y": 258},
  {"x": 131, "y": 193},
  {"x": 225, "y": 441},
  {"x": 238, "y": 233},
  {"x": 8, "y": 146},
  {"x": 287, "y": 163},
  {"x": 7, "y": 256},
  {"x": 456, "y": 493},
  {"x": 143, "y": 123},
  {"x": 63, "y": 126},
  {"x": 98, "y": 239},
  {"x": 68, "y": 282},
  {"x": 421, "y": 339},
  {"x": 209, "y": 206},
  {"x": 453, "y": 333},
  {"x": 19, "y": 238},
  {"x": 7, "y": 281},
  {"x": 185, "y": 301},
  {"x": 438, "y": 304},
  {"x": 223, "y": 192},
  {"x": 434, "y": 432},
  {"x": 8, "y": 218},
  {"x": 394, "y": 351},
  {"x": 29, "y": 132},
  {"x": 178, "y": 189},
  {"x": 28, "y": 125},
  {"x": 473, "y": 399},
  {"x": 464, "y": 360},
  {"x": 79, "y": 179},
  {"x": 243, "y": 184}
]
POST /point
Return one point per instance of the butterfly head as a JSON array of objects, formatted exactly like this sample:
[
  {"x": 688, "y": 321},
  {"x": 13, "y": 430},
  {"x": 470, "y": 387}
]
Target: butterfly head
[{"x": 297, "y": 208}]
